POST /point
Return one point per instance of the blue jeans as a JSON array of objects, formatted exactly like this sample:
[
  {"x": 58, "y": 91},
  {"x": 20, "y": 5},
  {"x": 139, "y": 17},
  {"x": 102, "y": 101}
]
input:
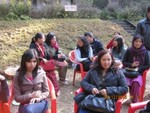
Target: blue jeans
[{"x": 39, "y": 107}]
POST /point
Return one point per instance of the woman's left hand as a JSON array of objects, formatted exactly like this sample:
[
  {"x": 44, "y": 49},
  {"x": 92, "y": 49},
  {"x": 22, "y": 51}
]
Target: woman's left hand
[
  {"x": 103, "y": 92},
  {"x": 33, "y": 100}
]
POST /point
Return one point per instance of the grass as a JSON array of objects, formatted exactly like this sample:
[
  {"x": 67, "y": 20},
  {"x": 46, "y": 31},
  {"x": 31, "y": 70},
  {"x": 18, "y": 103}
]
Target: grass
[{"x": 15, "y": 36}]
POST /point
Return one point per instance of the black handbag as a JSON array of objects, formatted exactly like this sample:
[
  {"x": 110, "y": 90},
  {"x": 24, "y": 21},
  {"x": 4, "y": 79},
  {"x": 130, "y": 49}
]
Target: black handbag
[
  {"x": 98, "y": 104},
  {"x": 131, "y": 73}
]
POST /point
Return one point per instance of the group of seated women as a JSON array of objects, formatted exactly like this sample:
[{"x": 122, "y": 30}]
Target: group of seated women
[{"x": 104, "y": 78}]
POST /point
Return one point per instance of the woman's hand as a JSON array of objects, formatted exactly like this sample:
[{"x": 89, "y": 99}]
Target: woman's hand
[
  {"x": 95, "y": 91},
  {"x": 45, "y": 60},
  {"x": 103, "y": 92},
  {"x": 60, "y": 55},
  {"x": 135, "y": 64},
  {"x": 36, "y": 94},
  {"x": 33, "y": 100}
]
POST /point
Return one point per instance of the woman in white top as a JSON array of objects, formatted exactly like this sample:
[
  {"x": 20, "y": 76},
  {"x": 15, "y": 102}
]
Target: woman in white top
[{"x": 83, "y": 53}]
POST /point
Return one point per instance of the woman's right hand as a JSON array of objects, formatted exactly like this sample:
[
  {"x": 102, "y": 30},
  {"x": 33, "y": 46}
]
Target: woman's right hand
[{"x": 95, "y": 91}]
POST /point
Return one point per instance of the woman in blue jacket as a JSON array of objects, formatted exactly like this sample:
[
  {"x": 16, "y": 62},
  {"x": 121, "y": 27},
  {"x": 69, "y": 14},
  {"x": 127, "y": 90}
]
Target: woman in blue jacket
[{"x": 104, "y": 80}]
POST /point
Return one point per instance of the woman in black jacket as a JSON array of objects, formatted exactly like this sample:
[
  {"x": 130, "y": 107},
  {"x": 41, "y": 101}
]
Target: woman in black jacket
[{"x": 104, "y": 80}]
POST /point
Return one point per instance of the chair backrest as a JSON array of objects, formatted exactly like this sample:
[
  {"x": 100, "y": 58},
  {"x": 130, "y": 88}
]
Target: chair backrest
[
  {"x": 52, "y": 97},
  {"x": 144, "y": 75},
  {"x": 72, "y": 56}
]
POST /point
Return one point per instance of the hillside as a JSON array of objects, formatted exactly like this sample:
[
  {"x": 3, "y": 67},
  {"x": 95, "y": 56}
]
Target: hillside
[{"x": 15, "y": 36}]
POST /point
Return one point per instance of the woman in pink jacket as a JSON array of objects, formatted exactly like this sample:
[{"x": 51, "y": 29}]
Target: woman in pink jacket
[{"x": 30, "y": 85}]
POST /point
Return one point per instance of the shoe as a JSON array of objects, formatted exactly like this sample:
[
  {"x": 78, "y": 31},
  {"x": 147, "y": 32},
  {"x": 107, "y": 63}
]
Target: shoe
[{"x": 64, "y": 82}]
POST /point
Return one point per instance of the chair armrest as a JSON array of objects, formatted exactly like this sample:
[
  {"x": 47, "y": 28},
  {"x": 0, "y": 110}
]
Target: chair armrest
[
  {"x": 135, "y": 106},
  {"x": 119, "y": 103},
  {"x": 79, "y": 90}
]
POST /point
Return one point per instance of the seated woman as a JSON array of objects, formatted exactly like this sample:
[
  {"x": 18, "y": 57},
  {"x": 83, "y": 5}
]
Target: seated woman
[
  {"x": 118, "y": 50},
  {"x": 83, "y": 53},
  {"x": 4, "y": 91},
  {"x": 136, "y": 57},
  {"x": 54, "y": 51},
  {"x": 39, "y": 45},
  {"x": 104, "y": 80},
  {"x": 30, "y": 85},
  {"x": 110, "y": 43}
]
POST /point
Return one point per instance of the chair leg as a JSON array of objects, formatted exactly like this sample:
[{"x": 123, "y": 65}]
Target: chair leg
[{"x": 74, "y": 77}]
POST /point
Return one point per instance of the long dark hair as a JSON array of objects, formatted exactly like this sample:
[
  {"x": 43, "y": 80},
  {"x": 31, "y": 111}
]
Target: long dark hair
[
  {"x": 97, "y": 65},
  {"x": 49, "y": 37},
  {"x": 36, "y": 37},
  {"x": 138, "y": 53},
  {"x": 120, "y": 45},
  {"x": 86, "y": 44},
  {"x": 27, "y": 56}
]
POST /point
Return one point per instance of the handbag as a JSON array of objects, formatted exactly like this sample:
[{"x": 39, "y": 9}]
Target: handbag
[
  {"x": 48, "y": 66},
  {"x": 131, "y": 72},
  {"x": 98, "y": 104}
]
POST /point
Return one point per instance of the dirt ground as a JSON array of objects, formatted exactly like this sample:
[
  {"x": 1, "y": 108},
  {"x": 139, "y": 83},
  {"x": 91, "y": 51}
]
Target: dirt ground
[{"x": 65, "y": 102}]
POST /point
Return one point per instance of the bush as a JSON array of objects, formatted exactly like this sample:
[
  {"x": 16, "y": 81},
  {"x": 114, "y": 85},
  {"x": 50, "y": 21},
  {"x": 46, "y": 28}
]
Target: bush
[
  {"x": 88, "y": 12},
  {"x": 101, "y": 4},
  {"x": 13, "y": 11}
]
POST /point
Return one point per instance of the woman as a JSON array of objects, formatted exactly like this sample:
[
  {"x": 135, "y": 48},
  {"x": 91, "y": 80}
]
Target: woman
[
  {"x": 118, "y": 50},
  {"x": 4, "y": 91},
  {"x": 83, "y": 53},
  {"x": 136, "y": 57},
  {"x": 30, "y": 85},
  {"x": 110, "y": 43},
  {"x": 39, "y": 45},
  {"x": 54, "y": 51},
  {"x": 104, "y": 80}
]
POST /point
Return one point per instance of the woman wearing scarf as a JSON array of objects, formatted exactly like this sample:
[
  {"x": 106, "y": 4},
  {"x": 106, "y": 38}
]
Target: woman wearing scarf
[
  {"x": 136, "y": 57},
  {"x": 58, "y": 56},
  {"x": 39, "y": 45}
]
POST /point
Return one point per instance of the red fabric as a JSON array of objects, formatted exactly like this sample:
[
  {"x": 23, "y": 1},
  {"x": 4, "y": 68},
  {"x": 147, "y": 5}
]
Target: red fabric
[
  {"x": 110, "y": 44},
  {"x": 52, "y": 76},
  {"x": 48, "y": 66},
  {"x": 55, "y": 45}
]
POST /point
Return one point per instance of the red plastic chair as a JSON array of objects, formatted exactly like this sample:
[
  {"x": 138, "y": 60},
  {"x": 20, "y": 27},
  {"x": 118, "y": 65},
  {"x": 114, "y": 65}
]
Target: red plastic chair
[
  {"x": 143, "y": 86},
  {"x": 4, "y": 108},
  {"x": 118, "y": 103},
  {"x": 81, "y": 71},
  {"x": 52, "y": 98},
  {"x": 136, "y": 106}
]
